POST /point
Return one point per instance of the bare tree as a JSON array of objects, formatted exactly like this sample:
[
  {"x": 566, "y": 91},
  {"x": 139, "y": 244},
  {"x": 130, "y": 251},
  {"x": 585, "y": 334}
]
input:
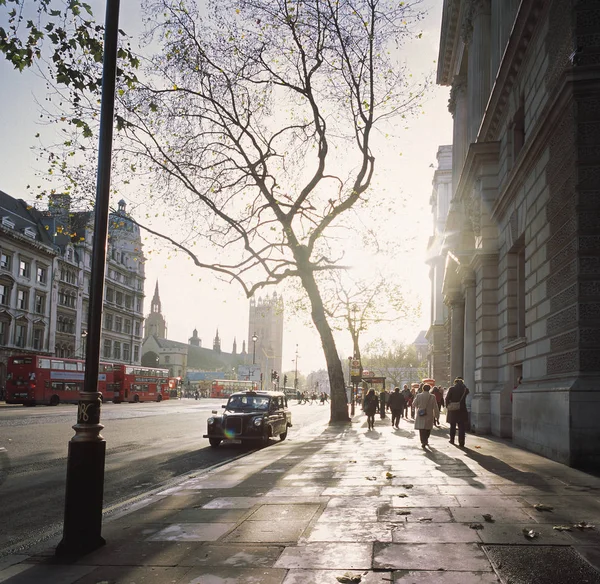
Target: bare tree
[{"x": 253, "y": 124}]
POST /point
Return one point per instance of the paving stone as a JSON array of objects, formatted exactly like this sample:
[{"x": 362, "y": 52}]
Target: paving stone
[
  {"x": 236, "y": 556},
  {"x": 414, "y": 514},
  {"x": 144, "y": 553},
  {"x": 352, "y": 532},
  {"x": 496, "y": 533},
  {"x": 444, "y": 577},
  {"x": 293, "y": 512},
  {"x": 181, "y": 501},
  {"x": 192, "y": 532},
  {"x": 48, "y": 574},
  {"x": 358, "y": 501},
  {"x": 231, "y": 503},
  {"x": 466, "y": 557},
  {"x": 292, "y": 492},
  {"x": 362, "y": 491},
  {"x": 208, "y": 515},
  {"x": 487, "y": 501},
  {"x": 331, "y": 556},
  {"x": 349, "y": 514},
  {"x": 202, "y": 575},
  {"x": 135, "y": 575},
  {"x": 467, "y": 490},
  {"x": 330, "y": 576},
  {"x": 267, "y": 532},
  {"x": 499, "y": 515},
  {"x": 430, "y": 532},
  {"x": 425, "y": 501}
]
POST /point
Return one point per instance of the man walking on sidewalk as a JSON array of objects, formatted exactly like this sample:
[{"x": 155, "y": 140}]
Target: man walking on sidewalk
[{"x": 396, "y": 405}]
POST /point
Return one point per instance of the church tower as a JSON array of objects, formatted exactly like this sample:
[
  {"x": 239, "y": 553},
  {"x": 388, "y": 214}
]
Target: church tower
[
  {"x": 155, "y": 323},
  {"x": 266, "y": 322},
  {"x": 217, "y": 343}
]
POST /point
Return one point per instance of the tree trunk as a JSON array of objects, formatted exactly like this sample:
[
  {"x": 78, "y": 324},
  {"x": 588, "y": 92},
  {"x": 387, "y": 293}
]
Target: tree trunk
[{"x": 339, "y": 400}]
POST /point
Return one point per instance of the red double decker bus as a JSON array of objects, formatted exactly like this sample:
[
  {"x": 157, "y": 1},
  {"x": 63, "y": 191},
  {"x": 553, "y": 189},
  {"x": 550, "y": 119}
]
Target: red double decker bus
[
  {"x": 37, "y": 379},
  {"x": 225, "y": 387},
  {"x": 140, "y": 384}
]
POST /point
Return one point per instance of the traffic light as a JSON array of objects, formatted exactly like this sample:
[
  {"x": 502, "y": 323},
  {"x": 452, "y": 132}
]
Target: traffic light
[
  {"x": 274, "y": 375},
  {"x": 284, "y": 380}
]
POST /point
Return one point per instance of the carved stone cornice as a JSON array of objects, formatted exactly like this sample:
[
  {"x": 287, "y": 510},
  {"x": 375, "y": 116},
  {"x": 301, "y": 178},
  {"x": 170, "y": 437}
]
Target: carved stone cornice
[
  {"x": 458, "y": 90},
  {"x": 466, "y": 24},
  {"x": 473, "y": 210},
  {"x": 479, "y": 153},
  {"x": 449, "y": 41}
]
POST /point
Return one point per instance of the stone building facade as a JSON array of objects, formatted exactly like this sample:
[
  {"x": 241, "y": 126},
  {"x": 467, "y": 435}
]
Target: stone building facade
[
  {"x": 437, "y": 335},
  {"x": 522, "y": 278},
  {"x": 45, "y": 272}
]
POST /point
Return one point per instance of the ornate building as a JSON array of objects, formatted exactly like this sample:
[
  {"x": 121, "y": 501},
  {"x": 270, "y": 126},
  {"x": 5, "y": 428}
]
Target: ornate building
[
  {"x": 521, "y": 280},
  {"x": 437, "y": 335},
  {"x": 266, "y": 322}
]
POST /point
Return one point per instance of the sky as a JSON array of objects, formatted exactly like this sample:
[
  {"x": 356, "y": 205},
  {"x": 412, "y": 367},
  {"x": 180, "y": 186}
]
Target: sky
[{"x": 197, "y": 300}]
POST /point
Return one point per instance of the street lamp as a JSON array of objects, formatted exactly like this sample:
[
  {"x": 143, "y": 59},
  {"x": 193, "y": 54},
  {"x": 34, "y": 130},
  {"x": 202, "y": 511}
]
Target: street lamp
[
  {"x": 254, "y": 339},
  {"x": 296, "y": 372}
]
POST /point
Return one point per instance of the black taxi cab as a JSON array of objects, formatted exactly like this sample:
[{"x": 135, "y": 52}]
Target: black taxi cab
[{"x": 250, "y": 416}]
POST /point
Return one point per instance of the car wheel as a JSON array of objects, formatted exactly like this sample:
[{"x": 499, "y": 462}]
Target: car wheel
[
  {"x": 283, "y": 436},
  {"x": 54, "y": 400},
  {"x": 214, "y": 442}
]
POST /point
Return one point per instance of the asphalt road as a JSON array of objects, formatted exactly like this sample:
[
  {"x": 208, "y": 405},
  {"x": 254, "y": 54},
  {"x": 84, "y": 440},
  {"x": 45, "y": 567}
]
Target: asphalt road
[{"x": 147, "y": 445}]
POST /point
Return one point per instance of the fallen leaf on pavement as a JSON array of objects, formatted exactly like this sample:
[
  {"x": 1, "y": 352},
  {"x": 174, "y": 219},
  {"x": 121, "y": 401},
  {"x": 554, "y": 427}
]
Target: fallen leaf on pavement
[
  {"x": 477, "y": 446},
  {"x": 371, "y": 478},
  {"x": 389, "y": 475},
  {"x": 562, "y": 528},
  {"x": 584, "y": 525},
  {"x": 348, "y": 578},
  {"x": 402, "y": 495},
  {"x": 402, "y": 512},
  {"x": 423, "y": 519},
  {"x": 530, "y": 534},
  {"x": 476, "y": 526},
  {"x": 542, "y": 507},
  {"x": 407, "y": 486},
  {"x": 488, "y": 517}
]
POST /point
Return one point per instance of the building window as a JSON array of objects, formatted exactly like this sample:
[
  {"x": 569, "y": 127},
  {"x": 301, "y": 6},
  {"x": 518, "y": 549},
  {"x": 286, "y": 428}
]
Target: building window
[
  {"x": 136, "y": 353},
  {"x": 126, "y": 352},
  {"x": 137, "y": 329},
  {"x": 521, "y": 293},
  {"x": 117, "y": 350},
  {"x": 127, "y": 327},
  {"x": 38, "y": 338},
  {"x": 108, "y": 322},
  {"x": 24, "y": 269},
  {"x": 107, "y": 348},
  {"x": 4, "y": 325},
  {"x": 119, "y": 298},
  {"x": 5, "y": 261},
  {"x": 42, "y": 274},
  {"x": 167, "y": 359},
  {"x": 22, "y": 298},
  {"x": 109, "y": 295},
  {"x": 139, "y": 305},
  {"x": 40, "y": 303},
  {"x": 118, "y": 324},
  {"x": 20, "y": 335},
  {"x": 128, "y": 301},
  {"x": 4, "y": 294}
]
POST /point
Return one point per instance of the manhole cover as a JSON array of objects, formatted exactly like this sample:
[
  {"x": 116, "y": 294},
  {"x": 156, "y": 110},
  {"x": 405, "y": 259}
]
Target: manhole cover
[{"x": 541, "y": 565}]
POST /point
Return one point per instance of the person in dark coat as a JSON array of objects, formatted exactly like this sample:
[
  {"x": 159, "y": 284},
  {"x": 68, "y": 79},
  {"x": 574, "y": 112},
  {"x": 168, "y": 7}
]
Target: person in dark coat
[
  {"x": 371, "y": 403},
  {"x": 383, "y": 397},
  {"x": 396, "y": 404},
  {"x": 457, "y": 394}
]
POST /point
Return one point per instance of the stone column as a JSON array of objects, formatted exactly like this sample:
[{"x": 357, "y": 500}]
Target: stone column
[
  {"x": 459, "y": 110},
  {"x": 477, "y": 37},
  {"x": 457, "y": 336},
  {"x": 469, "y": 331}
]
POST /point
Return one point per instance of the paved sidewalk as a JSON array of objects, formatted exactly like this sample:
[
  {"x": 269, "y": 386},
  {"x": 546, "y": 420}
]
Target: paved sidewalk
[{"x": 351, "y": 505}]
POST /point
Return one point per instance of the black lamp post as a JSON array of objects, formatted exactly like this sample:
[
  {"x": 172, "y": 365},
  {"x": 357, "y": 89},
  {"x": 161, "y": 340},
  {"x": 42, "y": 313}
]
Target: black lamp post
[
  {"x": 87, "y": 449},
  {"x": 254, "y": 339}
]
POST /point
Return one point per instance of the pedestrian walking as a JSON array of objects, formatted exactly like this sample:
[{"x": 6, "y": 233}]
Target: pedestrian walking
[
  {"x": 439, "y": 398},
  {"x": 426, "y": 411},
  {"x": 371, "y": 403},
  {"x": 456, "y": 410},
  {"x": 396, "y": 405},
  {"x": 407, "y": 399},
  {"x": 383, "y": 397}
]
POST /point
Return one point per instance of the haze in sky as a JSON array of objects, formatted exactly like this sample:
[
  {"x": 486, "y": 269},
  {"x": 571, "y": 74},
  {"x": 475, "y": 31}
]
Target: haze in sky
[{"x": 193, "y": 299}]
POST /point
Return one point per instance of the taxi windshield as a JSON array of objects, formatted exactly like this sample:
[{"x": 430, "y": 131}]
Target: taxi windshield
[{"x": 241, "y": 403}]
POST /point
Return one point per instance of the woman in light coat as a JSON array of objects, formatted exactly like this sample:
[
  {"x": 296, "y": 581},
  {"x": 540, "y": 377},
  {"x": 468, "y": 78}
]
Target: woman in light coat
[{"x": 426, "y": 402}]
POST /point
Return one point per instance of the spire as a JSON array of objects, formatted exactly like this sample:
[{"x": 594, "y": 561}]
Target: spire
[
  {"x": 155, "y": 305},
  {"x": 217, "y": 343},
  {"x": 234, "y": 351}
]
